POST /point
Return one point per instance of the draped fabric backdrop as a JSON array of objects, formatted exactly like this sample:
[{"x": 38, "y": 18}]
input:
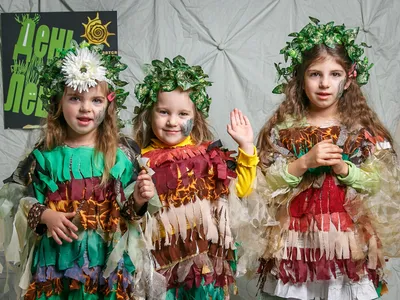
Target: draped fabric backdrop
[{"x": 237, "y": 43}]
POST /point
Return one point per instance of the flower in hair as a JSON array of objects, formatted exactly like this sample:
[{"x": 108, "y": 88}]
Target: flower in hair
[
  {"x": 315, "y": 34},
  {"x": 168, "y": 76},
  {"x": 82, "y": 69}
]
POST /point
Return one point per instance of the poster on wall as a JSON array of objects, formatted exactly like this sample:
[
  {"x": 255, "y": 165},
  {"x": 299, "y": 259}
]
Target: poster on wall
[{"x": 29, "y": 40}]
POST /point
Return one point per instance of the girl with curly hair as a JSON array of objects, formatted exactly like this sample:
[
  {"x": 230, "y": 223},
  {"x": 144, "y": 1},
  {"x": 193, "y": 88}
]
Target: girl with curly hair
[{"x": 327, "y": 176}]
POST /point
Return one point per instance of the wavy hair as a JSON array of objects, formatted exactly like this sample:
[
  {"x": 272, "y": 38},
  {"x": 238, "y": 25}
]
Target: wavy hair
[
  {"x": 351, "y": 106},
  {"x": 55, "y": 131}
]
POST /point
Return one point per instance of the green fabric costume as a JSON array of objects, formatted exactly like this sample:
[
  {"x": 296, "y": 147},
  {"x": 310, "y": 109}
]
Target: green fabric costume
[{"x": 109, "y": 260}]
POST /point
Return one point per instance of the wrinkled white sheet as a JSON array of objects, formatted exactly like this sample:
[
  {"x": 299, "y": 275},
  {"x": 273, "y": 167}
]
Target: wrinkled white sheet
[{"x": 237, "y": 43}]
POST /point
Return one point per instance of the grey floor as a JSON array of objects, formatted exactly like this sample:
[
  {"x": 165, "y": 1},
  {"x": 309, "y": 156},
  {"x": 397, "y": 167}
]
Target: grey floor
[{"x": 247, "y": 289}]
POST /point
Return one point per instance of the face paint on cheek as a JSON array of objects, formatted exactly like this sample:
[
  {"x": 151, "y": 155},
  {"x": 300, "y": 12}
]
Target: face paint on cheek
[
  {"x": 99, "y": 118},
  {"x": 341, "y": 89},
  {"x": 187, "y": 127}
]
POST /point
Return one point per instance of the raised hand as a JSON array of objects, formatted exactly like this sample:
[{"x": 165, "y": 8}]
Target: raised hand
[
  {"x": 144, "y": 189},
  {"x": 241, "y": 131},
  {"x": 59, "y": 225}
]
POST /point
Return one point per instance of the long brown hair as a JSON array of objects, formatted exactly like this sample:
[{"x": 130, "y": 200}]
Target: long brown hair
[
  {"x": 352, "y": 105},
  {"x": 143, "y": 133},
  {"x": 55, "y": 131}
]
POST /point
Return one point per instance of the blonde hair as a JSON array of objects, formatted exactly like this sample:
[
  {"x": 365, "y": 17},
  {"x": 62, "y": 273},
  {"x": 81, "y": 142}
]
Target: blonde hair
[
  {"x": 143, "y": 133},
  {"x": 351, "y": 105},
  {"x": 55, "y": 131}
]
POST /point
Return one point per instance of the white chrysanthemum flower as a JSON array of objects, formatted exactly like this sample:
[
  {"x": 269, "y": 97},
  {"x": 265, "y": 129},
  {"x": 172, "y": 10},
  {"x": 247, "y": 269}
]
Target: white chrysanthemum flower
[{"x": 81, "y": 70}]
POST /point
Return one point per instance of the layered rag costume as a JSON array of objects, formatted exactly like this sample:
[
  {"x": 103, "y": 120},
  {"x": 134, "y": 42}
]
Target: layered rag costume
[
  {"x": 325, "y": 236},
  {"x": 194, "y": 245},
  {"x": 109, "y": 259},
  {"x": 322, "y": 235}
]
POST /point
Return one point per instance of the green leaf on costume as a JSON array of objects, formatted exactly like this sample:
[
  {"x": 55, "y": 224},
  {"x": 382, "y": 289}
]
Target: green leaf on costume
[
  {"x": 314, "y": 20},
  {"x": 314, "y": 34},
  {"x": 277, "y": 67},
  {"x": 362, "y": 78},
  {"x": 157, "y": 63},
  {"x": 329, "y": 26},
  {"x": 169, "y": 85},
  {"x": 179, "y": 60},
  {"x": 365, "y": 45},
  {"x": 167, "y": 63},
  {"x": 120, "y": 83},
  {"x": 168, "y": 76},
  {"x": 279, "y": 89}
]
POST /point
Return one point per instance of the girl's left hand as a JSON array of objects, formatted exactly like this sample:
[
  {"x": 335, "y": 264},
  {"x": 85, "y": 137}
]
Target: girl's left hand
[
  {"x": 144, "y": 189},
  {"x": 241, "y": 131},
  {"x": 341, "y": 168}
]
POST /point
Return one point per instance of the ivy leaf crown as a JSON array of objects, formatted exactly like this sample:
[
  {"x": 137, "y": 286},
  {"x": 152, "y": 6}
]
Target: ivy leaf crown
[
  {"x": 80, "y": 67},
  {"x": 169, "y": 75},
  {"x": 330, "y": 35}
]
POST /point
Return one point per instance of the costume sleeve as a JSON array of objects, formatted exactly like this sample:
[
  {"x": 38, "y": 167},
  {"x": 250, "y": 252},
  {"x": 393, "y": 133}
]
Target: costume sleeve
[
  {"x": 132, "y": 151},
  {"x": 363, "y": 179},
  {"x": 363, "y": 172},
  {"x": 127, "y": 210},
  {"x": 246, "y": 172},
  {"x": 31, "y": 203},
  {"x": 277, "y": 175},
  {"x": 34, "y": 207},
  {"x": 10, "y": 196},
  {"x": 17, "y": 197},
  {"x": 379, "y": 190},
  {"x": 276, "y": 180},
  {"x": 16, "y": 187}
]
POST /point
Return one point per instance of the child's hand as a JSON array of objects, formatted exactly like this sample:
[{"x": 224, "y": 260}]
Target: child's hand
[
  {"x": 59, "y": 225},
  {"x": 144, "y": 189},
  {"x": 325, "y": 153},
  {"x": 241, "y": 131},
  {"x": 341, "y": 168}
]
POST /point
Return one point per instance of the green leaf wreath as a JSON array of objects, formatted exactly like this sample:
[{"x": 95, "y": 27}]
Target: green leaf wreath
[
  {"x": 168, "y": 76},
  {"x": 314, "y": 34}
]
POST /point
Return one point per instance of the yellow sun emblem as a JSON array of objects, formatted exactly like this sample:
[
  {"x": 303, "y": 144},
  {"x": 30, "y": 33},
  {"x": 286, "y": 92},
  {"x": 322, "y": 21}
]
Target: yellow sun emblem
[{"x": 95, "y": 32}]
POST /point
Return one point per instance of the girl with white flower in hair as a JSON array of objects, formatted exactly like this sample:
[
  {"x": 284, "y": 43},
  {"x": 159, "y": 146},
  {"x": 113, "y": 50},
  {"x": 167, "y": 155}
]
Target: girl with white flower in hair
[{"x": 80, "y": 193}]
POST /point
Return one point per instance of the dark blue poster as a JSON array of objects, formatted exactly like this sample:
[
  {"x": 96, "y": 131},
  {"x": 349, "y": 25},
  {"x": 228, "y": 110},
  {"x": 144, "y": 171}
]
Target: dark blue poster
[{"x": 28, "y": 40}]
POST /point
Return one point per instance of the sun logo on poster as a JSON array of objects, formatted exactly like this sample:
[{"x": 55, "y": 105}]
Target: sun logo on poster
[{"x": 96, "y": 32}]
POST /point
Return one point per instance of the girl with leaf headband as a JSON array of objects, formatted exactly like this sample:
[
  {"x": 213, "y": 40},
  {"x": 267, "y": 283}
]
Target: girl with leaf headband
[
  {"x": 194, "y": 248},
  {"x": 80, "y": 195},
  {"x": 328, "y": 178}
]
